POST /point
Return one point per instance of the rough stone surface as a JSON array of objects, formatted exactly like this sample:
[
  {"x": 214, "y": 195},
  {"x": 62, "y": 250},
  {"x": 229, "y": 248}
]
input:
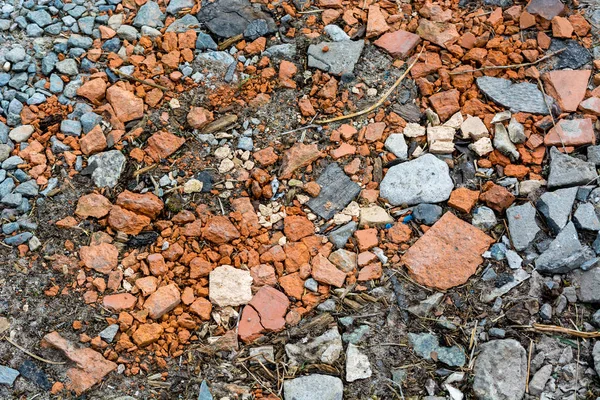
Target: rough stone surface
[
  {"x": 337, "y": 190},
  {"x": 589, "y": 288},
  {"x": 423, "y": 180},
  {"x": 447, "y": 254},
  {"x": 315, "y": 386},
  {"x": 326, "y": 349},
  {"x": 227, "y": 18},
  {"x": 564, "y": 254},
  {"x": 524, "y": 97},
  {"x": 566, "y": 171},
  {"x": 339, "y": 59},
  {"x": 357, "y": 364},
  {"x": 427, "y": 346},
  {"x": 229, "y": 286},
  {"x": 585, "y": 217},
  {"x": 556, "y": 207},
  {"x": 108, "y": 168},
  {"x": 500, "y": 370}
]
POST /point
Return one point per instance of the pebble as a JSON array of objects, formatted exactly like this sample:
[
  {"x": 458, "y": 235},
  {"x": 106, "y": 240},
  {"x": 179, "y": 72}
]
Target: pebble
[
  {"x": 427, "y": 214},
  {"x": 564, "y": 254},
  {"x": 357, "y": 364},
  {"x": 8, "y": 375},
  {"x": 500, "y": 370},
  {"x": 315, "y": 386}
]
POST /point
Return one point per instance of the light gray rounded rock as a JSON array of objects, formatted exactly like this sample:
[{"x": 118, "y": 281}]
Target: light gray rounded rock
[
  {"x": 423, "y": 180},
  {"x": 315, "y": 386},
  {"x": 500, "y": 371},
  {"x": 397, "y": 145}
]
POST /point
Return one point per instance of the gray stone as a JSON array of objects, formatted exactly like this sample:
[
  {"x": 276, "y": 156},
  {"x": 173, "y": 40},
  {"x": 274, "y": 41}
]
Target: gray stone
[
  {"x": 336, "y": 33},
  {"x": 109, "y": 333},
  {"x": 146, "y": 31},
  {"x": 423, "y": 180},
  {"x": 596, "y": 356},
  {"x": 325, "y": 349},
  {"x": 484, "y": 218},
  {"x": 503, "y": 143},
  {"x": 12, "y": 200},
  {"x": 514, "y": 260},
  {"x": 589, "y": 287},
  {"x": 28, "y": 189},
  {"x": 518, "y": 97},
  {"x": 593, "y": 155},
  {"x": 21, "y": 133},
  {"x": 89, "y": 120},
  {"x": 516, "y": 131},
  {"x": 585, "y": 218},
  {"x": 70, "y": 127},
  {"x": 567, "y": 171},
  {"x": 564, "y": 254},
  {"x": 40, "y": 17},
  {"x": 8, "y": 375},
  {"x": 286, "y": 50},
  {"x": 538, "y": 382},
  {"x": 500, "y": 371},
  {"x": 6, "y": 187},
  {"x": 48, "y": 63},
  {"x": 205, "y": 42},
  {"x": 183, "y": 24},
  {"x": 357, "y": 364},
  {"x": 427, "y": 214},
  {"x": 426, "y": 343},
  {"x": 256, "y": 29},
  {"x": 357, "y": 335},
  {"x": 315, "y": 386},
  {"x": 222, "y": 58},
  {"x": 18, "y": 81},
  {"x": 397, "y": 145},
  {"x": 227, "y": 18},
  {"x": 340, "y": 236},
  {"x": 556, "y": 207},
  {"x": 596, "y": 319},
  {"x": 574, "y": 57},
  {"x": 86, "y": 24},
  {"x": 15, "y": 54},
  {"x": 150, "y": 15},
  {"x": 108, "y": 168},
  {"x": 337, "y": 190},
  {"x": 424, "y": 307},
  {"x": 80, "y": 41},
  {"x": 177, "y": 5},
  {"x": 311, "y": 285},
  {"x": 36, "y": 98},
  {"x": 339, "y": 59},
  {"x": 67, "y": 66},
  {"x": 546, "y": 311},
  {"x": 128, "y": 32},
  {"x": 12, "y": 162},
  {"x": 56, "y": 84},
  {"x": 522, "y": 225},
  {"x": 34, "y": 30},
  {"x": 497, "y": 333},
  {"x": 245, "y": 143},
  {"x": 4, "y": 152},
  {"x": 18, "y": 239}
]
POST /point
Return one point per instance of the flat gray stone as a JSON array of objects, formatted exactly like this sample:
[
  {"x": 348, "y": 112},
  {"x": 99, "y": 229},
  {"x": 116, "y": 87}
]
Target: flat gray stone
[
  {"x": 556, "y": 207},
  {"x": 589, "y": 286},
  {"x": 522, "y": 225},
  {"x": 108, "y": 167},
  {"x": 397, "y": 145},
  {"x": 585, "y": 217},
  {"x": 500, "y": 371},
  {"x": 564, "y": 254},
  {"x": 567, "y": 171},
  {"x": 339, "y": 59},
  {"x": 21, "y": 133},
  {"x": 67, "y": 66},
  {"x": 593, "y": 154},
  {"x": 325, "y": 349},
  {"x": 150, "y": 15},
  {"x": 8, "y": 375},
  {"x": 423, "y": 180},
  {"x": 484, "y": 218},
  {"x": 315, "y": 386},
  {"x": 518, "y": 97},
  {"x": 227, "y": 18},
  {"x": 337, "y": 190},
  {"x": 340, "y": 236},
  {"x": 177, "y": 5},
  {"x": 426, "y": 343}
]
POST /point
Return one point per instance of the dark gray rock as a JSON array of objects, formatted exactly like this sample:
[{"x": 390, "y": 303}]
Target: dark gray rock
[
  {"x": 522, "y": 225},
  {"x": 227, "y": 18},
  {"x": 339, "y": 59},
  {"x": 500, "y": 371},
  {"x": 574, "y": 57},
  {"x": 564, "y": 254},
  {"x": 427, "y": 214},
  {"x": 567, "y": 171},
  {"x": 315, "y": 386},
  {"x": 35, "y": 374},
  {"x": 340, "y": 236},
  {"x": 585, "y": 218},
  {"x": 589, "y": 286},
  {"x": 337, "y": 190},
  {"x": 422, "y": 180},
  {"x": 524, "y": 97},
  {"x": 556, "y": 207},
  {"x": 256, "y": 29}
]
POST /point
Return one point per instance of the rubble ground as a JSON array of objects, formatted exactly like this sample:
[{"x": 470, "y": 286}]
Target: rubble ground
[{"x": 315, "y": 199}]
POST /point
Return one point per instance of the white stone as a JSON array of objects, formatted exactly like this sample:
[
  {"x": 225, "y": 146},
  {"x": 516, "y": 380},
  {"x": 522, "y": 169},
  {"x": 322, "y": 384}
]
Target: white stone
[
  {"x": 413, "y": 130},
  {"x": 440, "y": 139},
  {"x": 226, "y": 166},
  {"x": 455, "y": 121},
  {"x": 21, "y": 133},
  {"x": 530, "y": 186},
  {"x": 397, "y": 145},
  {"x": 482, "y": 146},
  {"x": 374, "y": 216},
  {"x": 229, "y": 286},
  {"x": 357, "y": 364},
  {"x": 193, "y": 186},
  {"x": 474, "y": 128},
  {"x": 223, "y": 152}
]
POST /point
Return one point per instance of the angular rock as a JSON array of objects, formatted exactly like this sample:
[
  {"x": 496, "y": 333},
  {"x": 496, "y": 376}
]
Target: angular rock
[
  {"x": 423, "y": 180},
  {"x": 271, "y": 306},
  {"x": 374, "y": 216},
  {"x": 447, "y": 254},
  {"x": 398, "y": 43},
  {"x": 500, "y": 370},
  {"x": 147, "y": 334},
  {"x": 443, "y": 34},
  {"x": 146, "y": 204},
  {"x": 227, "y": 18},
  {"x": 427, "y": 214},
  {"x": 220, "y": 230},
  {"x": 298, "y": 156},
  {"x": 339, "y": 58},
  {"x": 337, "y": 190},
  {"x": 585, "y": 217},
  {"x": 102, "y": 257},
  {"x": 522, "y": 225},
  {"x": 564, "y": 254},
  {"x": 339, "y": 237},
  {"x": 538, "y": 382},
  {"x": 518, "y": 97},
  {"x": 567, "y": 171},
  {"x": 427, "y": 346},
  {"x": 315, "y": 386},
  {"x": 325, "y": 349},
  {"x": 484, "y": 218},
  {"x": 165, "y": 299},
  {"x": 325, "y": 272},
  {"x": 107, "y": 167},
  {"x": 357, "y": 364},
  {"x": 397, "y": 145},
  {"x": 8, "y": 375},
  {"x": 126, "y": 105},
  {"x": 149, "y": 15},
  {"x": 589, "y": 287},
  {"x": 573, "y": 57},
  {"x": 556, "y": 207},
  {"x": 546, "y": 9},
  {"x": 229, "y": 286}
]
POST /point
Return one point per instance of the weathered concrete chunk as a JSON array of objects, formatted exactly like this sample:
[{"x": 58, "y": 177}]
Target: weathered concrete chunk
[
  {"x": 567, "y": 171},
  {"x": 107, "y": 167},
  {"x": 585, "y": 217},
  {"x": 556, "y": 207},
  {"x": 326, "y": 349},
  {"x": 339, "y": 59},
  {"x": 564, "y": 254},
  {"x": 357, "y": 364},
  {"x": 423, "y": 180},
  {"x": 315, "y": 386},
  {"x": 524, "y": 97},
  {"x": 337, "y": 190},
  {"x": 500, "y": 371}
]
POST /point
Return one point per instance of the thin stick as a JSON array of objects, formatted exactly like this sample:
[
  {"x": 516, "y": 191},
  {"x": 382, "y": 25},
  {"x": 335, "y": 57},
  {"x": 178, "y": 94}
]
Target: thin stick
[
  {"x": 528, "y": 366},
  {"x": 565, "y": 331},
  {"x": 380, "y": 102},
  {"x": 529, "y": 64},
  {"x": 33, "y": 355},
  {"x": 144, "y": 170},
  {"x": 133, "y": 78},
  {"x": 299, "y": 129}
]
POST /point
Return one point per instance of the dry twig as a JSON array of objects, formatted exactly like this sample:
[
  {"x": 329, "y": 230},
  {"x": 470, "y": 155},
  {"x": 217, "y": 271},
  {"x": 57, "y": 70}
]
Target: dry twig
[
  {"x": 24, "y": 350},
  {"x": 133, "y": 78},
  {"x": 565, "y": 331},
  {"x": 380, "y": 101}
]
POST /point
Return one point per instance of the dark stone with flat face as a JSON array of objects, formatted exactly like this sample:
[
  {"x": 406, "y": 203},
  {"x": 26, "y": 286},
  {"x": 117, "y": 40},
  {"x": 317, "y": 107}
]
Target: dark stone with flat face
[
  {"x": 227, "y": 18},
  {"x": 546, "y": 9},
  {"x": 31, "y": 372},
  {"x": 525, "y": 96},
  {"x": 143, "y": 239},
  {"x": 574, "y": 57},
  {"x": 337, "y": 190}
]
